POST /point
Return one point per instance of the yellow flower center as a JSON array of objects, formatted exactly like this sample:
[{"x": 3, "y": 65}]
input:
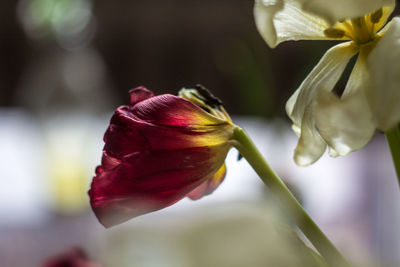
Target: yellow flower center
[{"x": 361, "y": 30}]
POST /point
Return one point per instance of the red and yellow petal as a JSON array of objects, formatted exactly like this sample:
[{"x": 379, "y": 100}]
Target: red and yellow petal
[
  {"x": 152, "y": 180},
  {"x": 208, "y": 186},
  {"x": 126, "y": 134},
  {"x": 170, "y": 110}
]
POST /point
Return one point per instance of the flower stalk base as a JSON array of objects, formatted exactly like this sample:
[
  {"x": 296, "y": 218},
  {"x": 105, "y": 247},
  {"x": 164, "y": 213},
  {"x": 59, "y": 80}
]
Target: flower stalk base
[{"x": 294, "y": 209}]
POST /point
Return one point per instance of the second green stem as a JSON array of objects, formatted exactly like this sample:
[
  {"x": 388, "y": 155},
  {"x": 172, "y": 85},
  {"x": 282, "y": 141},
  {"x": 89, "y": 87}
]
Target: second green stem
[{"x": 393, "y": 139}]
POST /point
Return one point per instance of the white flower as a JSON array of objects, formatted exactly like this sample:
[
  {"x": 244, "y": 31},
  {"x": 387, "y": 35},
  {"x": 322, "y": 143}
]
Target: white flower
[{"x": 371, "y": 98}]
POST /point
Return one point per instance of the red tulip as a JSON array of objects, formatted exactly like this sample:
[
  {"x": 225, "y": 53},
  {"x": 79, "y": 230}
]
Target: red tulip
[{"x": 159, "y": 149}]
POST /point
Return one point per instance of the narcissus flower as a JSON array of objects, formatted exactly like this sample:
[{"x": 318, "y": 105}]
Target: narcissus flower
[
  {"x": 159, "y": 149},
  {"x": 372, "y": 95}
]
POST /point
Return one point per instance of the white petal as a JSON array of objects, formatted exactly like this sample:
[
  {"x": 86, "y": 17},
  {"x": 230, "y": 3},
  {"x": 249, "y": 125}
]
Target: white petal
[
  {"x": 264, "y": 14},
  {"x": 310, "y": 146},
  {"x": 384, "y": 67},
  {"x": 279, "y": 20},
  {"x": 346, "y": 124},
  {"x": 323, "y": 77},
  {"x": 336, "y": 10}
]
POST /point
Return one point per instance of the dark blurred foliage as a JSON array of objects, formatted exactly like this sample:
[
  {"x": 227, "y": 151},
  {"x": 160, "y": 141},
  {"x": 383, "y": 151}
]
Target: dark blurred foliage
[
  {"x": 14, "y": 52},
  {"x": 168, "y": 44}
]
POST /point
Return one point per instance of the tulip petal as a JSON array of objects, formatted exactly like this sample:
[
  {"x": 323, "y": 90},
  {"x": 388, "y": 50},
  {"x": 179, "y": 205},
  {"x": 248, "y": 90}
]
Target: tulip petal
[
  {"x": 170, "y": 110},
  {"x": 279, "y": 21},
  {"x": 346, "y": 124},
  {"x": 209, "y": 185},
  {"x": 127, "y": 134},
  {"x": 384, "y": 67},
  {"x": 139, "y": 94},
  {"x": 334, "y": 11},
  {"x": 123, "y": 138},
  {"x": 107, "y": 163},
  {"x": 323, "y": 77},
  {"x": 200, "y": 127},
  {"x": 145, "y": 182}
]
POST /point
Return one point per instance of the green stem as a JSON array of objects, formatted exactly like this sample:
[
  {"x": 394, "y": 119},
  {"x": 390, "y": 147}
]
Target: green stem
[
  {"x": 296, "y": 212},
  {"x": 393, "y": 139}
]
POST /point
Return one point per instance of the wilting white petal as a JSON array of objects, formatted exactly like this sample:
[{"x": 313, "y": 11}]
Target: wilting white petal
[
  {"x": 346, "y": 124},
  {"x": 290, "y": 106},
  {"x": 336, "y": 10},
  {"x": 310, "y": 146},
  {"x": 279, "y": 21},
  {"x": 323, "y": 77},
  {"x": 384, "y": 67},
  {"x": 264, "y": 14}
]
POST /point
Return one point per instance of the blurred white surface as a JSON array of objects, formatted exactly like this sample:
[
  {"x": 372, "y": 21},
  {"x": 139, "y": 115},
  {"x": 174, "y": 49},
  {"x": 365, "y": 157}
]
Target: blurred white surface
[
  {"x": 354, "y": 199},
  {"x": 21, "y": 171}
]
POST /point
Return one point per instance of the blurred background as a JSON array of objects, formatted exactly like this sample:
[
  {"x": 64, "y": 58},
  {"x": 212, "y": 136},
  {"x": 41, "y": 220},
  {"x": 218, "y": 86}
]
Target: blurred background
[{"x": 65, "y": 65}]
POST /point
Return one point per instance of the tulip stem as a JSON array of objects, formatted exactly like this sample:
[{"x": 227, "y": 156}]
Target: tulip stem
[
  {"x": 289, "y": 203},
  {"x": 393, "y": 139}
]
